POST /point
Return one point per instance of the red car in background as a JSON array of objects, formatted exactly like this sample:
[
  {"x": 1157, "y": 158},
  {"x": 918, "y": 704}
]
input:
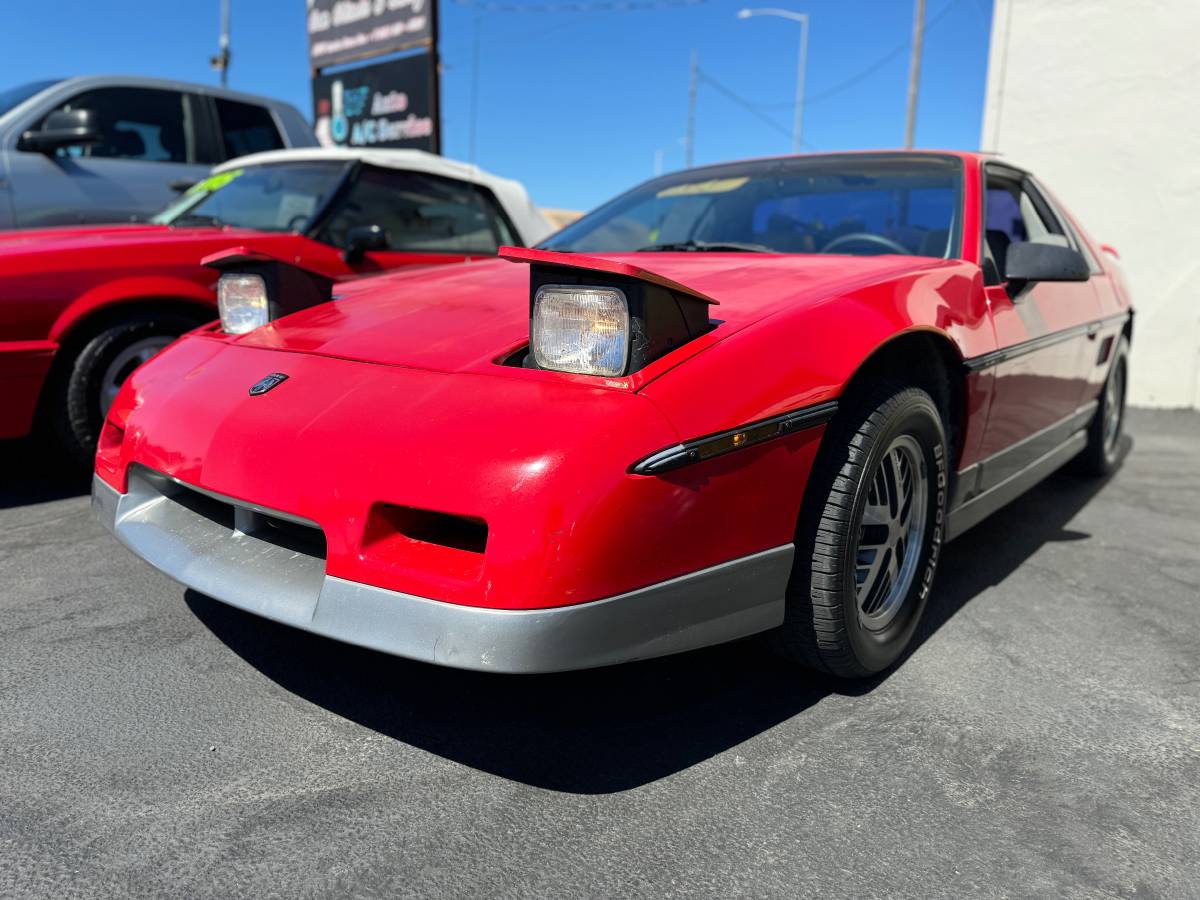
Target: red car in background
[
  {"x": 81, "y": 308},
  {"x": 744, "y": 398}
]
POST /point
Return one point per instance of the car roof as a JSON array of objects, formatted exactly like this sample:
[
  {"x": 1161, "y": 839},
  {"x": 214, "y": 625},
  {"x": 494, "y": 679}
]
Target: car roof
[
  {"x": 291, "y": 121},
  {"x": 525, "y": 215},
  {"x": 965, "y": 155},
  {"x": 170, "y": 84}
]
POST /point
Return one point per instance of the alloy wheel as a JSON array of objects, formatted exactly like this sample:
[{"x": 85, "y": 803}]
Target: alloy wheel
[
  {"x": 889, "y": 539},
  {"x": 1114, "y": 406},
  {"x": 123, "y": 365}
]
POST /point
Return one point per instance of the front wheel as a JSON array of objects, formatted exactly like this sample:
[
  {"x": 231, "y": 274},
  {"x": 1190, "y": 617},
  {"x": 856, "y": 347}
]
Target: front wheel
[
  {"x": 869, "y": 538},
  {"x": 88, "y": 387}
]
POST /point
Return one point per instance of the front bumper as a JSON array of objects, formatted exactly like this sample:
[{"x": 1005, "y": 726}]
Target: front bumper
[{"x": 272, "y": 564}]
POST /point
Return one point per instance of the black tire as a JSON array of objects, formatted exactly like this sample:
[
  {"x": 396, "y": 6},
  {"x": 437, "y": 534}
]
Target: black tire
[
  {"x": 1102, "y": 455},
  {"x": 74, "y": 404},
  {"x": 824, "y": 627}
]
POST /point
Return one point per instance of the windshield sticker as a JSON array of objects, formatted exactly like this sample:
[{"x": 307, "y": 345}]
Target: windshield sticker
[
  {"x": 213, "y": 183},
  {"x": 712, "y": 186}
]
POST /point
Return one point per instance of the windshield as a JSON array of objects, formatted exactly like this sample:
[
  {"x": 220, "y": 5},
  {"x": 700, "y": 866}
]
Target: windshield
[
  {"x": 866, "y": 205},
  {"x": 22, "y": 92},
  {"x": 272, "y": 197}
]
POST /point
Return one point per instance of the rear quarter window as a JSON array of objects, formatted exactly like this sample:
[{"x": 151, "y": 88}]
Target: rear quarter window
[{"x": 246, "y": 128}]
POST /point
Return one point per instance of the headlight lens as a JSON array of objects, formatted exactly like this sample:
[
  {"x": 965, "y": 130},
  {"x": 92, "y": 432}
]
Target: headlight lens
[
  {"x": 242, "y": 300},
  {"x": 580, "y": 329}
]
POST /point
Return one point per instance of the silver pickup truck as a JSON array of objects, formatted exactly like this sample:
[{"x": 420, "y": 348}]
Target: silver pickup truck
[{"x": 115, "y": 148}]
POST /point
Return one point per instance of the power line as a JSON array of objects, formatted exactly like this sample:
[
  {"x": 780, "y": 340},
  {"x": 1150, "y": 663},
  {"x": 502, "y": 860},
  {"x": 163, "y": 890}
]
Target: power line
[
  {"x": 747, "y": 105},
  {"x": 863, "y": 73},
  {"x": 506, "y": 39},
  {"x": 576, "y": 6}
]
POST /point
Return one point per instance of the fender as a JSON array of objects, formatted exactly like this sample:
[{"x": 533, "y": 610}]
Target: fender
[
  {"x": 791, "y": 368},
  {"x": 138, "y": 289}
]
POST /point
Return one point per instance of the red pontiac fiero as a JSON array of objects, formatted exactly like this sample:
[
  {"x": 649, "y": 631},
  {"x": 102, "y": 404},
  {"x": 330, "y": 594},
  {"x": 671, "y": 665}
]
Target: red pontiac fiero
[{"x": 744, "y": 398}]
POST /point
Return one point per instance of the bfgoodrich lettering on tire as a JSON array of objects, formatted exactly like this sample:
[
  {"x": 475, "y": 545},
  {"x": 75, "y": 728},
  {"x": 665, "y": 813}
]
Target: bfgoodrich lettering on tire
[{"x": 868, "y": 540}]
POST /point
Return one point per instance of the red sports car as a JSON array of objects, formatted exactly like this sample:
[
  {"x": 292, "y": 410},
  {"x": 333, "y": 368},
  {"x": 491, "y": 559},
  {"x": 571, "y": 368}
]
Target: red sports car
[
  {"x": 80, "y": 308},
  {"x": 744, "y": 398}
]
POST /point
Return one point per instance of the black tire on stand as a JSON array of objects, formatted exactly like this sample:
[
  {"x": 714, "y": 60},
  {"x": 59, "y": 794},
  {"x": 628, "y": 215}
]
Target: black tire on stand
[{"x": 869, "y": 538}]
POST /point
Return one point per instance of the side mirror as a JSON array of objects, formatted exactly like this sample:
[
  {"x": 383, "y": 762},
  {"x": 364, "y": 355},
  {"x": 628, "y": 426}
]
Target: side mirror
[
  {"x": 1029, "y": 261},
  {"x": 63, "y": 128},
  {"x": 361, "y": 239}
]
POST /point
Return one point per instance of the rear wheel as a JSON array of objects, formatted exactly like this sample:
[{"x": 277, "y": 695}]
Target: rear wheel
[
  {"x": 87, "y": 388},
  {"x": 868, "y": 541},
  {"x": 1102, "y": 454}
]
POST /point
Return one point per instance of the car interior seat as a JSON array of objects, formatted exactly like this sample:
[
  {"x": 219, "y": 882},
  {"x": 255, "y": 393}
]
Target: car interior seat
[
  {"x": 998, "y": 243},
  {"x": 122, "y": 145}
]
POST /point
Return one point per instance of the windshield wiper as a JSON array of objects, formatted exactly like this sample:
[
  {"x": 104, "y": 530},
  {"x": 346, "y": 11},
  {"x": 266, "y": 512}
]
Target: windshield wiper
[
  {"x": 197, "y": 219},
  {"x": 706, "y": 246}
]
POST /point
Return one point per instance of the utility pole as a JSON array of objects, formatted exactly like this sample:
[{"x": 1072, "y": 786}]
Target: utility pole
[
  {"x": 914, "y": 74},
  {"x": 474, "y": 87},
  {"x": 220, "y": 62},
  {"x": 690, "y": 140}
]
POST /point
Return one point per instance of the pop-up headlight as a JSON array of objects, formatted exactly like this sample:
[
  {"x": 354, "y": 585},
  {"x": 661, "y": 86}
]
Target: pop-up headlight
[
  {"x": 592, "y": 316},
  {"x": 580, "y": 329},
  {"x": 256, "y": 288},
  {"x": 242, "y": 301}
]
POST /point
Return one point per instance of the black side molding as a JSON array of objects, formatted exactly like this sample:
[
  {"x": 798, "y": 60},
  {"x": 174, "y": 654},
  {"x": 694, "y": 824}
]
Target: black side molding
[
  {"x": 743, "y": 436},
  {"x": 987, "y": 360}
]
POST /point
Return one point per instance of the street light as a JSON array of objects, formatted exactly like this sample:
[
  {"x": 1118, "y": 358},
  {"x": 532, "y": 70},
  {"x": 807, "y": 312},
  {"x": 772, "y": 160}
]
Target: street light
[{"x": 802, "y": 18}]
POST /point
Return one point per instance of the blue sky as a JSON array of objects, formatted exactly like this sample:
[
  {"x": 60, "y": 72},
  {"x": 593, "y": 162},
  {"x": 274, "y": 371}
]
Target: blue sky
[{"x": 575, "y": 103}]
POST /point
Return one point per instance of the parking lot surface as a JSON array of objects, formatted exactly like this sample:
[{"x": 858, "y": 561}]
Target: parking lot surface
[{"x": 1043, "y": 739}]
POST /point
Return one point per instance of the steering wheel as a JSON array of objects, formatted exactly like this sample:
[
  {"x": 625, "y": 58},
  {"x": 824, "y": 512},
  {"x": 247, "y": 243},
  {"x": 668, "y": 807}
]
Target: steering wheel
[{"x": 865, "y": 237}]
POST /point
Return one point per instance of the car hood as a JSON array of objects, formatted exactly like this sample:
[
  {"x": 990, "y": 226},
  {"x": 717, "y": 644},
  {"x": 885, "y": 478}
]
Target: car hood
[
  {"x": 462, "y": 318},
  {"x": 118, "y": 237}
]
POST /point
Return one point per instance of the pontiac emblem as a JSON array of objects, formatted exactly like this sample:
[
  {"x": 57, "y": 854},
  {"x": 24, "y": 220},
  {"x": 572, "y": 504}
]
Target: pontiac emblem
[{"x": 265, "y": 384}]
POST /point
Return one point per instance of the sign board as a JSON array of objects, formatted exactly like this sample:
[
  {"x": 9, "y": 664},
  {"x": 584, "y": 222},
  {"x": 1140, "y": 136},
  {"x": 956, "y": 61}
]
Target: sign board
[
  {"x": 344, "y": 30},
  {"x": 387, "y": 104}
]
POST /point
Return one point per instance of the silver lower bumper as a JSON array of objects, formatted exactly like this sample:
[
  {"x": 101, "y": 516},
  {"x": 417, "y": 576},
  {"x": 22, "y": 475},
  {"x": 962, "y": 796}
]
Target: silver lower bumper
[{"x": 169, "y": 526}]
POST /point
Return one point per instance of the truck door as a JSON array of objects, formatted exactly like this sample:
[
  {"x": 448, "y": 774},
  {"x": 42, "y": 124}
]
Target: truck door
[{"x": 149, "y": 139}]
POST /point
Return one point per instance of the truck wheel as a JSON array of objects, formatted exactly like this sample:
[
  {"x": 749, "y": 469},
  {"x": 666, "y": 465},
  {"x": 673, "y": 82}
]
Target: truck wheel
[
  {"x": 92, "y": 379},
  {"x": 1102, "y": 454},
  {"x": 869, "y": 537}
]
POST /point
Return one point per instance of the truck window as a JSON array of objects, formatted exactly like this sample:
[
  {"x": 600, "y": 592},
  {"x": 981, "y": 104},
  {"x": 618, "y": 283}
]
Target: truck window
[
  {"x": 138, "y": 123},
  {"x": 246, "y": 128}
]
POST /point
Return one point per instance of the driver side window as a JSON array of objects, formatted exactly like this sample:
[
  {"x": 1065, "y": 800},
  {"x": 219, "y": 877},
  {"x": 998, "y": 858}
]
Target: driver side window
[
  {"x": 1012, "y": 216},
  {"x": 137, "y": 123}
]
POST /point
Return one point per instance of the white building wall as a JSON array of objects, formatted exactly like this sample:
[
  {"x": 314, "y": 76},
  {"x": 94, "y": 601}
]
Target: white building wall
[{"x": 1101, "y": 99}]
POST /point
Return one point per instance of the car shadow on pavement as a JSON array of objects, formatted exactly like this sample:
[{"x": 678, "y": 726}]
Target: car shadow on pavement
[
  {"x": 608, "y": 730},
  {"x": 36, "y": 473}
]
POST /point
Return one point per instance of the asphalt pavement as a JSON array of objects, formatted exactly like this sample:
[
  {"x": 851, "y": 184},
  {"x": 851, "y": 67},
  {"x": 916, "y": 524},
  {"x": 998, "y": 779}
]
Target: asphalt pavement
[{"x": 1043, "y": 739}]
